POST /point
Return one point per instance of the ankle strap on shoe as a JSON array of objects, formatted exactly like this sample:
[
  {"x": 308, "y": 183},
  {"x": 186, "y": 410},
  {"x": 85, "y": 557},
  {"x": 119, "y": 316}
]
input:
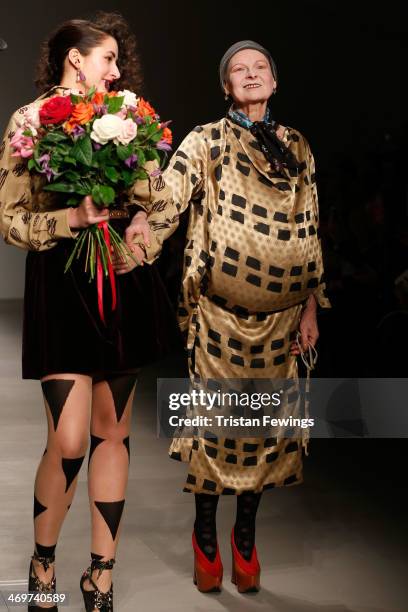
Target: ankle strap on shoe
[
  {"x": 45, "y": 561},
  {"x": 96, "y": 564}
]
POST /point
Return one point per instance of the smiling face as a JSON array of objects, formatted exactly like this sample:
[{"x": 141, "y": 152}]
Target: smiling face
[
  {"x": 99, "y": 66},
  {"x": 249, "y": 78}
]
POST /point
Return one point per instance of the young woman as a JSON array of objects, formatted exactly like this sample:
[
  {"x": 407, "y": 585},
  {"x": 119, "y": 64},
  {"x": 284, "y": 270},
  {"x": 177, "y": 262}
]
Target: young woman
[{"x": 87, "y": 370}]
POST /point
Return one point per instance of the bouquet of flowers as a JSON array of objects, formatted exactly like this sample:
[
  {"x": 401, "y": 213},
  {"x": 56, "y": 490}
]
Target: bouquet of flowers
[{"x": 97, "y": 145}]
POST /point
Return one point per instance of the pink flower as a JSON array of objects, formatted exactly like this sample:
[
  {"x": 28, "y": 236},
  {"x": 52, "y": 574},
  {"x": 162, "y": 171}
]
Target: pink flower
[
  {"x": 163, "y": 145},
  {"x": 23, "y": 145},
  {"x": 29, "y": 120},
  {"x": 32, "y": 117},
  {"x": 122, "y": 113},
  {"x": 128, "y": 132}
]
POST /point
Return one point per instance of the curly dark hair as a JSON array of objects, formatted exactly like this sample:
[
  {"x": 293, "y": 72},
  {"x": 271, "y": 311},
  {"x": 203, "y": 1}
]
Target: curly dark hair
[{"x": 84, "y": 35}]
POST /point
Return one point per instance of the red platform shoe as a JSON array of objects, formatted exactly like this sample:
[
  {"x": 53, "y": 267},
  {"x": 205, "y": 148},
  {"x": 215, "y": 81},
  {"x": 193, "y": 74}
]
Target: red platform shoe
[
  {"x": 245, "y": 574},
  {"x": 207, "y": 574}
]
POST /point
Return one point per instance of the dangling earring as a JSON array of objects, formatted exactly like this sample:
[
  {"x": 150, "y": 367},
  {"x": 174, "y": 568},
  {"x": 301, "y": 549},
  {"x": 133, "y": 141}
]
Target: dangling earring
[
  {"x": 226, "y": 97},
  {"x": 80, "y": 77}
]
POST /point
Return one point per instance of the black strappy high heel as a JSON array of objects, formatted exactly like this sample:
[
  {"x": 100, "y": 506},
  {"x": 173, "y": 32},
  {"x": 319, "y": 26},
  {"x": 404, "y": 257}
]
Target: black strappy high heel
[
  {"x": 38, "y": 586},
  {"x": 96, "y": 598}
]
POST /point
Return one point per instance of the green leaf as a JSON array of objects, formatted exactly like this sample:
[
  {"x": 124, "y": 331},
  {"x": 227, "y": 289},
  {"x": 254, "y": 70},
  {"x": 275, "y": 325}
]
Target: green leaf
[
  {"x": 141, "y": 159},
  {"x": 60, "y": 187},
  {"x": 82, "y": 150},
  {"x": 128, "y": 177},
  {"x": 104, "y": 156},
  {"x": 141, "y": 174},
  {"x": 72, "y": 176},
  {"x": 31, "y": 164},
  {"x": 156, "y": 136},
  {"x": 103, "y": 195},
  {"x": 152, "y": 154},
  {"x": 73, "y": 201},
  {"x": 124, "y": 151},
  {"x": 63, "y": 149},
  {"x": 66, "y": 188},
  {"x": 54, "y": 137},
  {"x": 70, "y": 160},
  {"x": 76, "y": 99},
  {"x": 115, "y": 104},
  {"x": 91, "y": 92},
  {"x": 112, "y": 174}
]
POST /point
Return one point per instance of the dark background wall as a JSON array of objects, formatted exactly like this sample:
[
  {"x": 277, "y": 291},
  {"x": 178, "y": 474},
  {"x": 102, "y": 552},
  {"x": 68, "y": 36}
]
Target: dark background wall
[{"x": 341, "y": 64}]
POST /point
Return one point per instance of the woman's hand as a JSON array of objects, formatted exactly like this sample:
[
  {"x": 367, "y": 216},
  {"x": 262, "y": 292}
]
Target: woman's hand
[
  {"x": 139, "y": 225},
  {"x": 125, "y": 264},
  {"x": 86, "y": 214},
  {"x": 307, "y": 327}
]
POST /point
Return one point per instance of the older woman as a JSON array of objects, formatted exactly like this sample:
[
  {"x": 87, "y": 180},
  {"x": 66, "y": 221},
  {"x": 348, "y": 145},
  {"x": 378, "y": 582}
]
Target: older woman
[{"x": 252, "y": 279}]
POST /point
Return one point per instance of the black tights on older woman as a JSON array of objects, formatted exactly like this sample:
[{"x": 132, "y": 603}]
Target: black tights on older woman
[{"x": 205, "y": 527}]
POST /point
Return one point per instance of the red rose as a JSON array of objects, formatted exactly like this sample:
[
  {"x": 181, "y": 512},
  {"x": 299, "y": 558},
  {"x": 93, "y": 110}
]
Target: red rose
[{"x": 56, "y": 110}]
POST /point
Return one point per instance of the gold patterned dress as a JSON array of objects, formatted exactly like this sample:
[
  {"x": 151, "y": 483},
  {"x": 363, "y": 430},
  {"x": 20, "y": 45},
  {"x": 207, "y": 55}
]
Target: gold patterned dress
[{"x": 252, "y": 258}]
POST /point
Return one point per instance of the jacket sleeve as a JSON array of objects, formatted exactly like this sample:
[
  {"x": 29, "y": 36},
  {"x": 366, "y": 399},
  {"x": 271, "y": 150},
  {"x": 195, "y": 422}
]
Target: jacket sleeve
[
  {"x": 20, "y": 224},
  {"x": 166, "y": 196},
  {"x": 319, "y": 292}
]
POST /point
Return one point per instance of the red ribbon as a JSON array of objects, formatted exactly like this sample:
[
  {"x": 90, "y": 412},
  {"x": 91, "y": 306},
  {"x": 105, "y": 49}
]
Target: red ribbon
[{"x": 99, "y": 271}]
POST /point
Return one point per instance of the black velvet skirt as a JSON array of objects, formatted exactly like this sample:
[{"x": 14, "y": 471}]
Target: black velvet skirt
[{"x": 63, "y": 331}]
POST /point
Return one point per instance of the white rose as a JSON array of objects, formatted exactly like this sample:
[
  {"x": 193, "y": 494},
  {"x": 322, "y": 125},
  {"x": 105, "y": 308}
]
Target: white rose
[
  {"x": 106, "y": 128},
  {"x": 128, "y": 133},
  {"x": 130, "y": 98}
]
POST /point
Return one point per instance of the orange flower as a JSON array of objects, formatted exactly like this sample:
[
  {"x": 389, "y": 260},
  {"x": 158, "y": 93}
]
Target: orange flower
[
  {"x": 68, "y": 127},
  {"x": 81, "y": 113},
  {"x": 98, "y": 98},
  {"x": 145, "y": 109},
  {"x": 167, "y": 135}
]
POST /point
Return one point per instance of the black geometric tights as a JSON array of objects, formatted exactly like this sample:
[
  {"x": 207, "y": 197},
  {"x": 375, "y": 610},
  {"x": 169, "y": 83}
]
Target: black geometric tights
[
  {"x": 205, "y": 527},
  {"x": 77, "y": 411}
]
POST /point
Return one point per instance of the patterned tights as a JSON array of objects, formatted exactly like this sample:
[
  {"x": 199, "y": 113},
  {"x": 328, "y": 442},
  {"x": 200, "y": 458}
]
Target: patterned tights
[
  {"x": 244, "y": 529},
  {"x": 75, "y": 408}
]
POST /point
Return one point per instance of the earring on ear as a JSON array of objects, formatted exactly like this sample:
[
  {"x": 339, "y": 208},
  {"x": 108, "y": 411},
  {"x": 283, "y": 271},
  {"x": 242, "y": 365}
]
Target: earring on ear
[
  {"x": 80, "y": 77},
  {"x": 226, "y": 96}
]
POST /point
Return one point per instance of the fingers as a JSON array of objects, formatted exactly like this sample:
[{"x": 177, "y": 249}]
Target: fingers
[
  {"x": 138, "y": 229},
  {"x": 122, "y": 264},
  {"x": 96, "y": 215},
  {"x": 146, "y": 234},
  {"x": 130, "y": 234},
  {"x": 138, "y": 254},
  {"x": 304, "y": 340},
  {"x": 294, "y": 349},
  {"x": 124, "y": 269},
  {"x": 90, "y": 213}
]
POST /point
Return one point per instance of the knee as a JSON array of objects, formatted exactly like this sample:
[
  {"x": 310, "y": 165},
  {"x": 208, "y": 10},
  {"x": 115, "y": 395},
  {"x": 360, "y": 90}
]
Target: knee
[
  {"x": 109, "y": 429},
  {"x": 73, "y": 446}
]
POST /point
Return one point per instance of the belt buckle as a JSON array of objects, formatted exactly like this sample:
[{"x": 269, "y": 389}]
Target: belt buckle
[{"x": 118, "y": 213}]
